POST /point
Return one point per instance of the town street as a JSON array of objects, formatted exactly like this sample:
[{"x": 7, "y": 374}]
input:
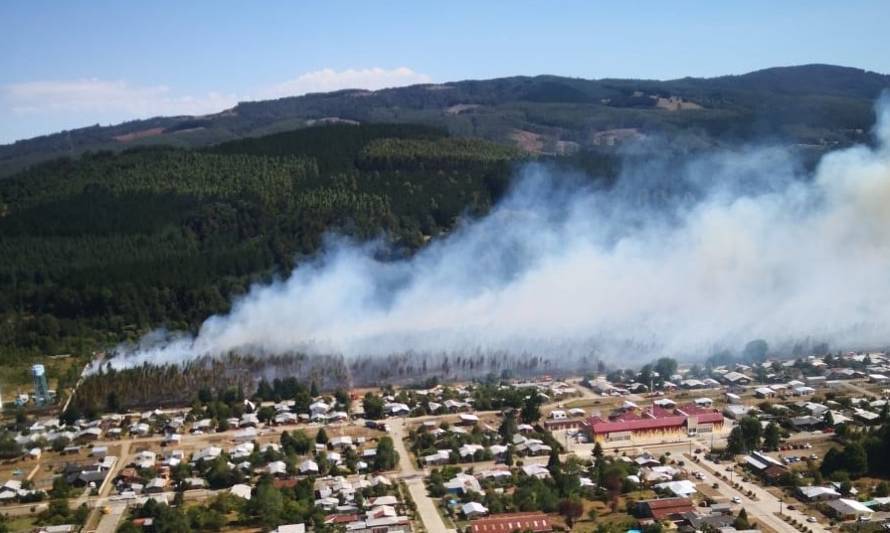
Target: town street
[
  {"x": 763, "y": 508},
  {"x": 426, "y": 507}
]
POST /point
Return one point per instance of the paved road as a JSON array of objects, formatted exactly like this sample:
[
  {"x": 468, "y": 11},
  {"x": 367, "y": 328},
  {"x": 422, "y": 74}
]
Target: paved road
[
  {"x": 426, "y": 507},
  {"x": 766, "y": 505},
  {"x": 109, "y": 522}
]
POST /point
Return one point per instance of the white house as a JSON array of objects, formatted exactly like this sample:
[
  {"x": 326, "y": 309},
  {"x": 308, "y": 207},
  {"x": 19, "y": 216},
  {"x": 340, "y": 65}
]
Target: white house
[
  {"x": 473, "y": 509},
  {"x": 308, "y": 467},
  {"x": 241, "y": 490}
]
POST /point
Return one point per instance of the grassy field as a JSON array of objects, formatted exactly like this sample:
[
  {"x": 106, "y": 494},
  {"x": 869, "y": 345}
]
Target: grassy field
[{"x": 22, "y": 523}]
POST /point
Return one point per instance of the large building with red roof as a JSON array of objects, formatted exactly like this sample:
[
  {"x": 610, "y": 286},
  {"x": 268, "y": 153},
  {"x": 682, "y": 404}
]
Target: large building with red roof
[{"x": 654, "y": 424}]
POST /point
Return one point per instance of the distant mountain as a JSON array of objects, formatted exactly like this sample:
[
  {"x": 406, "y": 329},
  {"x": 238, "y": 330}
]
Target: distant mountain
[{"x": 818, "y": 106}]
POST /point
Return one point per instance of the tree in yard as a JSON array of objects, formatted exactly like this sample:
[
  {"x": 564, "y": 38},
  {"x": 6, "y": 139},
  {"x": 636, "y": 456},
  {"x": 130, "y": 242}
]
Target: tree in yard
[
  {"x": 828, "y": 419},
  {"x": 386, "y": 457},
  {"x": 571, "y": 509},
  {"x": 59, "y": 443},
  {"x": 771, "y": 436},
  {"x": 61, "y": 489},
  {"x": 553, "y": 463},
  {"x": 321, "y": 437},
  {"x": 437, "y": 484},
  {"x": 302, "y": 399},
  {"x": 666, "y": 367},
  {"x": 735, "y": 443},
  {"x": 597, "y": 452},
  {"x": 297, "y": 442},
  {"x": 508, "y": 456},
  {"x": 342, "y": 398},
  {"x": 831, "y": 462},
  {"x": 645, "y": 377},
  {"x": 508, "y": 427},
  {"x": 264, "y": 391},
  {"x": 852, "y": 461},
  {"x": 855, "y": 460},
  {"x": 751, "y": 432},
  {"x": 373, "y": 406},
  {"x": 266, "y": 413},
  {"x": 741, "y": 521},
  {"x": 531, "y": 409},
  {"x": 313, "y": 389},
  {"x": 267, "y": 505}
]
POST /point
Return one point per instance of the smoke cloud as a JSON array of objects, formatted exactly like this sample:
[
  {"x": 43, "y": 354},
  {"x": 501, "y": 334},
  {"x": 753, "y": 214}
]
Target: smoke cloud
[{"x": 724, "y": 248}]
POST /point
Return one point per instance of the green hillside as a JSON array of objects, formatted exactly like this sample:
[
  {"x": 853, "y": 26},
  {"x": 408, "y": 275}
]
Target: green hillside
[
  {"x": 821, "y": 106},
  {"x": 110, "y": 245}
]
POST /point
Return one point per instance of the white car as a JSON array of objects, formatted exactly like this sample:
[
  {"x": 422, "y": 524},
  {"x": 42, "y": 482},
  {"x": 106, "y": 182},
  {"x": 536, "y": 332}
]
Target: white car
[
  {"x": 736, "y": 499},
  {"x": 811, "y": 519}
]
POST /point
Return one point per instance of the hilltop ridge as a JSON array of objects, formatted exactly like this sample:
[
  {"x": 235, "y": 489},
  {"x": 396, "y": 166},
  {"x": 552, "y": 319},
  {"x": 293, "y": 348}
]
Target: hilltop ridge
[{"x": 820, "y": 106}]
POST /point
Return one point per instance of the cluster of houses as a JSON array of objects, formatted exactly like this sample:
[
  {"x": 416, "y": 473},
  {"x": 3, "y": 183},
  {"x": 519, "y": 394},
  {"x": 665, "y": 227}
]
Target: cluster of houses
[
  {"x": 443, "y": 400},
  {"x": 524, "y": 442},
  {"x": 130, "y": 481},
  {"x": 796, "y": 380},
  {"x": 463, "y": 486},
  {"x": 13, "y": 490},
  {"x": 685, "y": 515},
  {"x": 337, "y": 496},
  {"x": 830, "y": 500}
]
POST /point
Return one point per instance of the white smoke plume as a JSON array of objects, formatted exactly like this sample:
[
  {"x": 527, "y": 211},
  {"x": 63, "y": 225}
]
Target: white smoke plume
[{"x": 757, "y": 250}]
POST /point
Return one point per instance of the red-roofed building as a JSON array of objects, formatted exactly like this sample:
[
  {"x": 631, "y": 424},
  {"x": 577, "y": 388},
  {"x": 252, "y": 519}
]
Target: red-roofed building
[
  {"x": 666, "y": 508},
  {"x": 655, "y": 423},
  {"x": 286, "y": 483},
  {"x": 510, "y": 522},
  {"x": 339, "y": 519}
]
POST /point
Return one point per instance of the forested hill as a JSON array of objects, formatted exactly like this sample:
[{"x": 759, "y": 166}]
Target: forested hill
[
  {"x": 111, "y": 245},
  {"x": 819, "y": 106}
]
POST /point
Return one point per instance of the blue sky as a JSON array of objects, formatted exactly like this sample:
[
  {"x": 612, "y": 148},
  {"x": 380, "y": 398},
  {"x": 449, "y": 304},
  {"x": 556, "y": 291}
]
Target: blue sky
[{"x": 71, "y": 64}]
